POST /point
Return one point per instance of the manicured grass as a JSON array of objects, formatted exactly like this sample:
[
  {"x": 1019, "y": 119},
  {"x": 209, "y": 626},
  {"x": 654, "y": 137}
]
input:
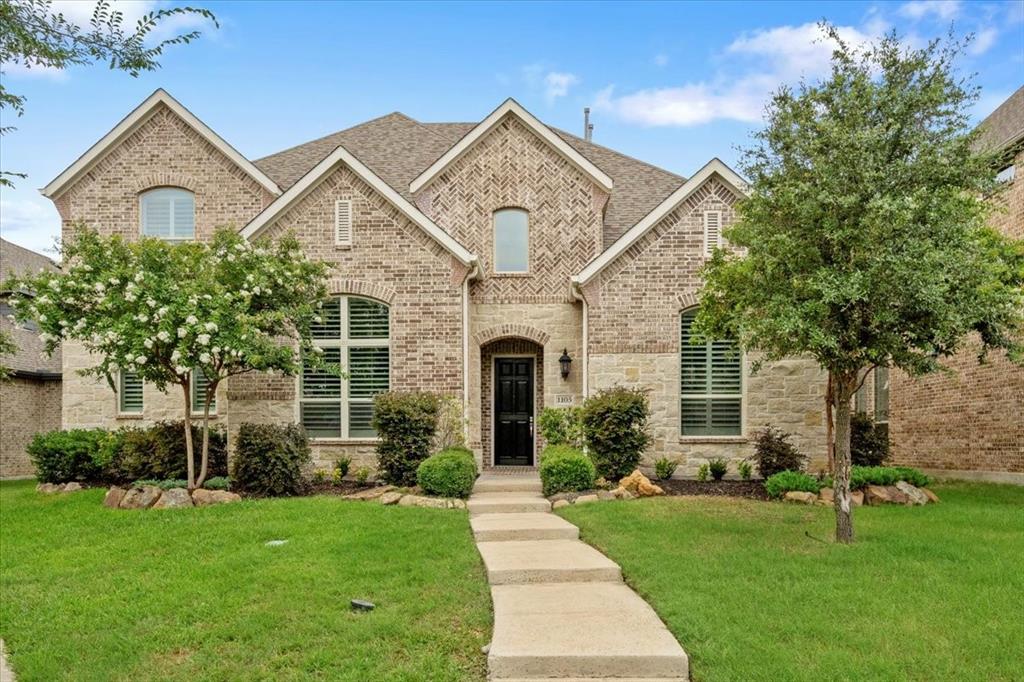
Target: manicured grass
[
  {"x": 926, "y": 593},
  {"x": 89, "y": 593}
]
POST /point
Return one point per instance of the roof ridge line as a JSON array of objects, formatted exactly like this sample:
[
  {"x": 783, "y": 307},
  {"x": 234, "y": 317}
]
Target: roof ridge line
[
  {"x": 620, "y": 154},
  {"x": 336, "y": 132}
]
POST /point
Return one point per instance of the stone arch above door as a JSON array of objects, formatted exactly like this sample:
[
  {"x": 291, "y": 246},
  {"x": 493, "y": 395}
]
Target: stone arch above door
[{"x": 511, "y": 330}]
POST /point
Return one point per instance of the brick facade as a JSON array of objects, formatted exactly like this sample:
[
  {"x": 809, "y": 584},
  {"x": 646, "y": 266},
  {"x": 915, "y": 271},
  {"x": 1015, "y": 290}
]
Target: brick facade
[{"x": 28, "y": 405}]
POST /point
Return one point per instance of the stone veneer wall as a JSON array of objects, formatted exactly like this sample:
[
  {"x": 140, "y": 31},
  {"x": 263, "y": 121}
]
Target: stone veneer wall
[
  {"x": 28, "y": 406},
  {"x": 634, "y": 313},
  {"x": 968, "y": 423}
]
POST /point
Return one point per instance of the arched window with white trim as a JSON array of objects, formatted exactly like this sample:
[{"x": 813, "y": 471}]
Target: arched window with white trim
[{"x": 168, "y": 213}]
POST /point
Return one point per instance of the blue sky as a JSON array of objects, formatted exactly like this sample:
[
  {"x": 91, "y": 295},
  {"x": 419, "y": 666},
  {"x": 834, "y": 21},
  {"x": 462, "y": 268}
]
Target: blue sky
[{"x": 672, "y": 84}]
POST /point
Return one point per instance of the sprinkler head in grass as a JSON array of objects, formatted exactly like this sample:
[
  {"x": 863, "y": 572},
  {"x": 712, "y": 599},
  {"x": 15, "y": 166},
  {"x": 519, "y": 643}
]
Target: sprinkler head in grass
[
  {"x": 362, "y": 605},
  {"x": 275, "y": 543}
]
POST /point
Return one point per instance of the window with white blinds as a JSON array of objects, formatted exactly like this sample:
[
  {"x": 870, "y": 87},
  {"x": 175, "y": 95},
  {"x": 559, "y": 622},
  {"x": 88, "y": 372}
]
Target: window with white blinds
[
  {"x": 712, "y": 231},
  {"x": 199, "y": 384},
  {"x": 168, "y": 213},
  {"x": 129, "y": 393},
  {"x": 353, "y": 333},
  {"x": 711, "y": 384}
]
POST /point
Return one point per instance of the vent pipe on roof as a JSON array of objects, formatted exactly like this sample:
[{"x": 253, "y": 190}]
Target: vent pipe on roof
[{"x": 588, "y": 127}]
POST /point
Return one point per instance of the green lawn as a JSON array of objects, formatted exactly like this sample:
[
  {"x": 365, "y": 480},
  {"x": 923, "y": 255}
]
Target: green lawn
[
  {"x": 926, "y": 593},
  {"x": 89, "y": 593}
]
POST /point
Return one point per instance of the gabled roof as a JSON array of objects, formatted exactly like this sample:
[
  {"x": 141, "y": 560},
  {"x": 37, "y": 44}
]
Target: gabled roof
[
  {"x": 712, "y": 168},
  {"x": 131, "y": 123},
  {"x": 510, "y": 106},
  {"x": 342, "y": 156}
]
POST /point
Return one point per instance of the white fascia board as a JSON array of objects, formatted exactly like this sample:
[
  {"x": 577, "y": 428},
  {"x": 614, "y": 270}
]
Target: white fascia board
[
  {"x": 531, "y": 121},
  {"x": 713, "y": 167},
  {"x": 131, "y": 123},
  {"x": 342, "y": 156}
]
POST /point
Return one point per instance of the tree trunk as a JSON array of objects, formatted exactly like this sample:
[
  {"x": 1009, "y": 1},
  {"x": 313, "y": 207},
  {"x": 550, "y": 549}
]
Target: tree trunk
[
  {"x": 204, "y": 467},
  {"x": 190, "y": 466},
  {"x": 843, "y": 386},
  {"x": 830, "y": 436}
]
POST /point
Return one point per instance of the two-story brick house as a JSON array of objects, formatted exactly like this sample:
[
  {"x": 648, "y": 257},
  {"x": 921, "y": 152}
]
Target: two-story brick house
[{"x": 470, "y": 259}]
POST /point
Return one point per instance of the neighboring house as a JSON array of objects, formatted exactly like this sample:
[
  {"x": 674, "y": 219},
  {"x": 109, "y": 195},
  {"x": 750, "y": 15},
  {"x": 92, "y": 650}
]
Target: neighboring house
[
  {"x": 30, "y": 398},
  {"x": 509, "y": 264},
  {"x": 970, "y": 423}
]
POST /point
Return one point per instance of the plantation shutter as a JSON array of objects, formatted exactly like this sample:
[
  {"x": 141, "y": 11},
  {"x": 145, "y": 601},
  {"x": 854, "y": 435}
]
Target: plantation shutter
[
  {"x": 712, "y": 231},
  {"x": 199, "y": 384},
  {"x": 343, "y": 222},
  {"x": 168, "y": 213},
  {"x": 129, "y": 393},
  {"x": 367, "y": 319},
  {"x": 321, "y": 398},
  {"x": 711, "y": 384},
  {"x": 368, "y": 375}
]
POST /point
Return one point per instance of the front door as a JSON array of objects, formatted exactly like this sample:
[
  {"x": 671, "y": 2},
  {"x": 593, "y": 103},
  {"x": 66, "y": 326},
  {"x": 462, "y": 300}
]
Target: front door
[{"x": 513, "y": 411}]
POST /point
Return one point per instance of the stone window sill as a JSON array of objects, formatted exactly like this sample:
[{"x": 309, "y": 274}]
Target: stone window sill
[
  {"x": 199, "y": 415},
  {"x": 713, "y": 440},
  {"x": 129, "y": 415},
  {"x": 511, "y": 275},
  {"x": 344, "y": 441}
]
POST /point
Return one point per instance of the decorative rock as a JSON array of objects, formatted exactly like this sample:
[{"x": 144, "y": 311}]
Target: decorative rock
[
  {"x": 584, "y": 499},
  {"x": 932, "y": 497},
  {"x": 858, "y": 498},
  {"x": 558, "y": 504},
  {"x": 827, "y": 495},
  {"x": 885, "y": 494},
  {"x": 640, "y": 485},
  {"x": 174, "y": 498},
  {"x": 141, "y": 498},
  {"x": 456, "y": 504},
  {"x": 916, "y": 495},
  {"x": 606, "y": 495},
  {"x": 800, "y": 496},
  {"x": 48, "y": 488},
  {"x": 371, "y": 493},
  {"x": 113, "y": 497},
  {"x": 71, "y": 487},
  {"x": 202, "y": 497},
  {"x": 423, "y": 501},
  {"x": 390, "y": 497}
]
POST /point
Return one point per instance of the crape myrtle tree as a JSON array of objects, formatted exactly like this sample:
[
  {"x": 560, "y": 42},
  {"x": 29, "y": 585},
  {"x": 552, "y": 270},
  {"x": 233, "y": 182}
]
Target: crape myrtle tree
[
  {"x": 863, "y": 241},
  {"x": 167, "y": 311}
]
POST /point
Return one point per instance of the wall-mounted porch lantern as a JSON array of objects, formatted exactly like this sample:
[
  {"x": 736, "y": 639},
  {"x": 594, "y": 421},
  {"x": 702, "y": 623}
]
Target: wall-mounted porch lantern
[{"x": 564, "y": 362}]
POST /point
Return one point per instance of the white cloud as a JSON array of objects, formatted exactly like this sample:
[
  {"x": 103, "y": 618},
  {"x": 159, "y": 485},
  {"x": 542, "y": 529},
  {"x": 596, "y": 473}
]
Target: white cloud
[
  {"x": 661, "y": 59},
  {"x": 943, "y": 10},
  {"x": 29, "y": 223},
  {"x": 557, "y": 84},
  {"x": 983, "y": 41}
]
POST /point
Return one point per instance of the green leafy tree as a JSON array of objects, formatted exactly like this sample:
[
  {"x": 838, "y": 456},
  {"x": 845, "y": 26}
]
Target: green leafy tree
[
  {"x": 863, "y": 242},
  {"x": 162, "y": 310},
  {"x": 7, "y": 347},
  {"x": 32, "y": 35}
]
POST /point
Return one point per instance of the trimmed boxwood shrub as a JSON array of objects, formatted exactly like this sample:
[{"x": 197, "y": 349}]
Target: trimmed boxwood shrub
[
  {"x": 158, "y": 452},
  {"x": 565, "y": 469},
  {"x": 270, "y": 458},
  {"x": 783, "y": 482},
  {"x": 449, "y": 473},
  {"x": 774, "y": 453},
  {"x": 861, "y": 477},
  {"x": 64, "y": 456},
  {"x": 616, "y": 429},
  {"x": 869, "y": 442},
  {"x": 406, "y": 423}
]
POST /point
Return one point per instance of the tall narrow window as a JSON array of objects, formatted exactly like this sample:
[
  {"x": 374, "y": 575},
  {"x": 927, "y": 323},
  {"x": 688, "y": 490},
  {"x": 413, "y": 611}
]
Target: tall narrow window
[
  {"x": 882, "y": 395},
  {"x": 168, "y": 213},
  {"x": 129, "y": 393},
  {"x": 199, "y": 384},
  {"x": 711, "y": 384},
  {"x": 511, "y": 240},
  {"x": 354, "y": 333}
]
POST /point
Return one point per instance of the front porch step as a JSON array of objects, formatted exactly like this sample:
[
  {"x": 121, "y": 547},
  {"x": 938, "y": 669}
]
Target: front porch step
[
  {"x": 526, "y": 526},
  {"x": 507, "y": 503},
  {"x": 507, "y": 484},
  {"x": 574, "y": 631},
  {"x": 546, "y": 561}
]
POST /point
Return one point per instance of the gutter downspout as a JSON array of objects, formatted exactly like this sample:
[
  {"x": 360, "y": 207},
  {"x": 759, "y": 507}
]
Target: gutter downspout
[
  {"x": 472, "y": 273},
  {"x": 577, "y": 292}
]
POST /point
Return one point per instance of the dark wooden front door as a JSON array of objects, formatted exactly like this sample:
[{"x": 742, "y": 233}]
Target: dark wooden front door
[{"x": 513, "y": 411}]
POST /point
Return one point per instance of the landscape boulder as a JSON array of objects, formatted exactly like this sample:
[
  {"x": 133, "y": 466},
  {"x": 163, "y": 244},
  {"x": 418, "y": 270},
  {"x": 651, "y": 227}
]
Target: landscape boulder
[
  {"x": 558, "y": 504},
  {"x": 885, "y": 494},
  {"x": 932, "y": 497},
  {"x": 858, "y": 497},
  {"x": 71, "y": 487},
  {"x": 913, "y": 493},
  {"x": 827, "y": 496},
  {"x": 640, "y": 485},
  {"x": 390, "y": 497},
  {"x": 423, "y": 501},
  {"x": 371, "y": 493},
  {"x": 202, "y": 497},
  {"x": 113, "y": 497},
  {"x": 49, "y": 488},
  {"x": 585, "y": 499},
  {"x": 800, "y": 496},
  {"x": 141, "y": 498},
  {"x": 173, "y": 499}
]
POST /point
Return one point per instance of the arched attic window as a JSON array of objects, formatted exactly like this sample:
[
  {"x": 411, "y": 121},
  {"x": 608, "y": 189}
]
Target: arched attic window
[{"x": 168, "y": 213}]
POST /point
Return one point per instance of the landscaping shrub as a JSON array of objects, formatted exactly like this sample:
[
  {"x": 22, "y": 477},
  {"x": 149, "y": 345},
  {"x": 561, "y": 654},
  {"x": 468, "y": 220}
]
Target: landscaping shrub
[
  {"x": 270, "y": 458},
  {"x": 565, "y": 469},
  {"x": 718, "y": 467},
  {"x": 163, "y": 485},
  {"x": 780, "y": 483},
  {"x": 616, "y": 430},
  {"x": 406, "y": 423},
  {"x": 861, "y": 477},
  {"x": 64, "y": 456},
  {"x": 449, "y": 431},
  {"x": 664, "y": 468},
  {"x": 362, "y": 475},
  {"x": 449, "y": 473},
  {"x": 342, "y": 466},
  {"x": 702, "y": 472},
  {"x": 869, "y": 442},
  {"x": 218, "y": 483},
  {"x": 562, "y": 426},
  {"x": 158, "y": 452},
  {"x": 744, "y": 469},
  {"x": 774, "y": 453}
]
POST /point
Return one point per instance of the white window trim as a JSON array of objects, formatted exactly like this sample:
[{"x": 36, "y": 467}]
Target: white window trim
[
  {"x": 343, "y": 238},
  {"x": 742, "y": 394},
  {"x": 171, "y": 237},
  {"x": 344, "y": 343},
  {"x": 708, "y": 246},
  {"x": 120, "y": 402},
  {"x": 494, "y": 241}
]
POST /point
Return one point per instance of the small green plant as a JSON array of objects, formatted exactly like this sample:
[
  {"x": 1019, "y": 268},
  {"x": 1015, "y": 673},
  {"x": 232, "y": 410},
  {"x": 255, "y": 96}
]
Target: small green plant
[
  {"x": 562, "y": 426},
  {"x": 783, "y": 482},
  {"x": 718, "y": 467},
  {"x": 218, "y": 483},
  {"x": 449, "y": 473},
  {"x": 320, "y": 476},
  {"x": 165, "y": 484},
  {"x": 565, "y": 469},
  {"x": 342, "y": 466},
  {"x": 665, "y": 467},
  {"x": 861, "y": 477},
  {"x": 362, "y": 475},
  {"x": 774, "y": 453},
  {"x": 702, "y": 472},
  {"x": 744, "y": 469}
]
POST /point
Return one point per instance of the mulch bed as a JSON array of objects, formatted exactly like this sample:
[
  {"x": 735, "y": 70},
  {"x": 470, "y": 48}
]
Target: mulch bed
[{"x": 750, "y": 489}]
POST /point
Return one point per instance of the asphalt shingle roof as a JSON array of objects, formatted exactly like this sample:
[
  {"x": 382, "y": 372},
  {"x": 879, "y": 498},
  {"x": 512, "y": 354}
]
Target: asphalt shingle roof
[
  {"x": 29, "y": 358},
  {"x": 1004, "y": 126}
]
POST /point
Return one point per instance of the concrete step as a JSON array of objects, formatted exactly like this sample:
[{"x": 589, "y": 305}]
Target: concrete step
[
  {"x": 507, "y": 503},
  {"x": 526, "y": 526},
  {"x": 507, "y": 484},
  {"x": 546, "y": 561},
  {"x": 580, "y": 631}
]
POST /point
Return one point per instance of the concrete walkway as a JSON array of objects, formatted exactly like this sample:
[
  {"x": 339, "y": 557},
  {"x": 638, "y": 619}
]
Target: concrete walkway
[{"x": 561, "y": 610}]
